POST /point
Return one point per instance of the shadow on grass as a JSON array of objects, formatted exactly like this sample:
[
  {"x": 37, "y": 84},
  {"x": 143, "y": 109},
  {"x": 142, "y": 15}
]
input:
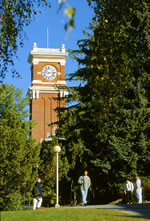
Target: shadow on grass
[
  {"x": 138, "y": 210},
  {"x": 127, "y": 216}
]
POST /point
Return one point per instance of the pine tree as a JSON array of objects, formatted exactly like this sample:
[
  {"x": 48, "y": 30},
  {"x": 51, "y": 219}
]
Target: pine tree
[{"x": 107, "y": 130}]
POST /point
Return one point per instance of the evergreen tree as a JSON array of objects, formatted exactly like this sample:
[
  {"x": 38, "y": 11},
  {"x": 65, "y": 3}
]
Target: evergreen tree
[
  {"x": 18, "y": 151},
  {"x": 107, "y": 130}
]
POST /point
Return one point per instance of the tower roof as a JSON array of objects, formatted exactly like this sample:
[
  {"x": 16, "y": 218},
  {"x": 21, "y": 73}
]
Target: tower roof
[{"x": 47, "y": 52}]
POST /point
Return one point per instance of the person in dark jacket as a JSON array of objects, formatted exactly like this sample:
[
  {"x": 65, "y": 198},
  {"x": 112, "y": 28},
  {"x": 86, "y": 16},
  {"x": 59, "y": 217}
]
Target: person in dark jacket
[{"x": 37, "y": 195}]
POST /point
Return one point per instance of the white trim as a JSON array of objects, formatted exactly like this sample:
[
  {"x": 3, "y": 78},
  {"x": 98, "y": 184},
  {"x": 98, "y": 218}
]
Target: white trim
[
  {"x": 63, "y": 93},
  {"x": 33, "y": 94},
  {"x": 48, "y": 83},
  {"x": 50, "y": 138},
  {"x": 34, "y": 91},
  {"x": 44, "y": 89},
  {"x": 35, "y": 61},
  {"x": 36, "y": 82},
  {"x": 37, "y": 94},
  {"x": 47, "y": 52},
  {"x": 46, "y": 139},
  {"x": 66, "y": 93},
  {"x": 61, "y": 82}
]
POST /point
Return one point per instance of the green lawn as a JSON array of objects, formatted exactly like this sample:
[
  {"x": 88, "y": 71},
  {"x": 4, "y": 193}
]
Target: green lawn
[{"x": 68, "y": 214}]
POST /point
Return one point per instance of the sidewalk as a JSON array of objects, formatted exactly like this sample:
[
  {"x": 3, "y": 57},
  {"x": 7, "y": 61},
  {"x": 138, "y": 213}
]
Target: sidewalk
[{"x": 142, "y": 210}]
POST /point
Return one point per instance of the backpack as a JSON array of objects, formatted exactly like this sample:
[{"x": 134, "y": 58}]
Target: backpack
[{"x": 36, "y": 191}]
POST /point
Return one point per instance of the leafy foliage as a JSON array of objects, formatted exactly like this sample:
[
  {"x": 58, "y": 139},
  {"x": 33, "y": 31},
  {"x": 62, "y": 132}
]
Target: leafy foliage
[
  {"x": 14, "y": 15},
  {"x": 18, "y": 151},
  {"x": 70, "y": 12}
]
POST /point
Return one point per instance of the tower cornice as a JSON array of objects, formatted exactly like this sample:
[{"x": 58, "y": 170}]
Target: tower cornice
[{"x": 59, "y": 53}]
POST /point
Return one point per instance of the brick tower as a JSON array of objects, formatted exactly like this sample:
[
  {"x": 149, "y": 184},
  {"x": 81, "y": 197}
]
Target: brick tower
[{"x": 47, "y": 82}]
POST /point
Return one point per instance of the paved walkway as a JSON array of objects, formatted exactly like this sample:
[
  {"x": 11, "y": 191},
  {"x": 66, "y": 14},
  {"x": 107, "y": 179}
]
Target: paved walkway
[{"x": 142, "y": 210}]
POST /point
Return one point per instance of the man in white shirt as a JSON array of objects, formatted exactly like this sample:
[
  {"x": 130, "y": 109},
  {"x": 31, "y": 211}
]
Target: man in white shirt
[
  {"x": 128, "y": 190},
  {"x": 138, "y": 189}
]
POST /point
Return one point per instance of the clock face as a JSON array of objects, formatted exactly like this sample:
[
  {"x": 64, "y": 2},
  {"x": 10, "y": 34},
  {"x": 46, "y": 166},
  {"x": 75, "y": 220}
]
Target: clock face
[{"x": 49, "y": 72}]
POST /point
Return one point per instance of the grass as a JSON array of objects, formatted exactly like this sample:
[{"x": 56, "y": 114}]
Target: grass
[{"x": 68, "y": 214}]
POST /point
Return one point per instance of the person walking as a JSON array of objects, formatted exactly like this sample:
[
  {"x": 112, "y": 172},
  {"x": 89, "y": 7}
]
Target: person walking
[
  {"x": 138, "y": 189},
  {"x": 85, "y": 183},
  {"x": 37, "y": 195},
  {"x": 128, "y": 190}
]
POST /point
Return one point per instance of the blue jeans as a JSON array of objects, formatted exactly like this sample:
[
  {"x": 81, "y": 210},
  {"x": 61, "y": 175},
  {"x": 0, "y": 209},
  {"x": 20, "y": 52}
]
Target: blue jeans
[{"x": 84, "y": 196}]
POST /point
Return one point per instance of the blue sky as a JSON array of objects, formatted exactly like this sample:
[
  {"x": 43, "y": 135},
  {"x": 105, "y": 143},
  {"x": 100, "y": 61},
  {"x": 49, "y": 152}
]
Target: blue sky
[{"x": 37, "y": 32}]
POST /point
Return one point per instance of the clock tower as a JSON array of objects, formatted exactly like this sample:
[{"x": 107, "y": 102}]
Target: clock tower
[{"x": 47, "y": 89}]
